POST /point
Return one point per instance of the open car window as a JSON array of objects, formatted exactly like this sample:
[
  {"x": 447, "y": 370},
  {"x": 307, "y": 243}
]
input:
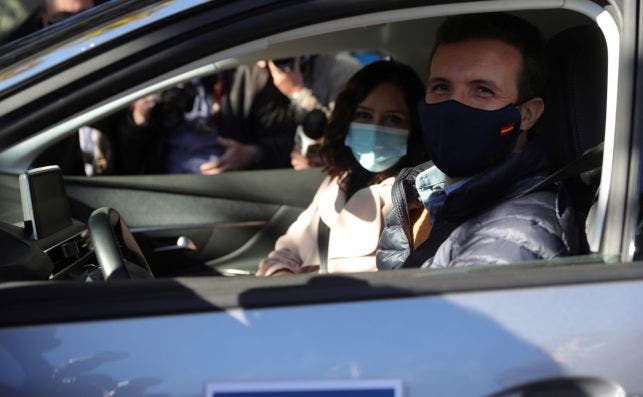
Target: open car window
[{"x": 176, "y": 130}]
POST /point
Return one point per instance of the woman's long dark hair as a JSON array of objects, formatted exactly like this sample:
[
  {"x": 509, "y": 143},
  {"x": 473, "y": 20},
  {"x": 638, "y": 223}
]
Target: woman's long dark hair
[{"x": 338, "y": 158}]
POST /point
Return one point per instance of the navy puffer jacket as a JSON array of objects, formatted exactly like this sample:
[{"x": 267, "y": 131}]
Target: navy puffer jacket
[{"x": 496, "y": 225}]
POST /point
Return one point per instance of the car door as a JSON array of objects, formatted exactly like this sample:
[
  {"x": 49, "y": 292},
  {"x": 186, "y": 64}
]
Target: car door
[
  {"x": 564, "y": 327},
  {"x": 226, "y": 223}
]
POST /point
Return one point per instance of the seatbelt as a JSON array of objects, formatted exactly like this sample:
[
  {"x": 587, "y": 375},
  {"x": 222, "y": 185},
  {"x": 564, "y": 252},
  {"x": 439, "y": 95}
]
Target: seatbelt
[
  {"x": 323, "y": 234},
  {"x": 590, "y": 160}
]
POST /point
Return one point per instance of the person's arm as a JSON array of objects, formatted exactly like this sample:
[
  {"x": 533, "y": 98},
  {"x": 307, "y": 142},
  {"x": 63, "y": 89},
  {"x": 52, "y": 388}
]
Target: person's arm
[
  {"x": 362, "y": 216},
  {"x": 236, "y": 156},
  {"x": 287, "y": 257},
  {"x": 273, "y": 126},
  {"x": 258, "y": 134},
  {"x": 330, "y": 75},
  {"x": 393, "y": 247}
]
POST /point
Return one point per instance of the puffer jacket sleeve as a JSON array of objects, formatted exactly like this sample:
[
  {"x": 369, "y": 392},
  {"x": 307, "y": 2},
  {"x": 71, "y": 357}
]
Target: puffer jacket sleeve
[
  {"x": 523, "y": 229},
  {"x": 394, "y": 247}
]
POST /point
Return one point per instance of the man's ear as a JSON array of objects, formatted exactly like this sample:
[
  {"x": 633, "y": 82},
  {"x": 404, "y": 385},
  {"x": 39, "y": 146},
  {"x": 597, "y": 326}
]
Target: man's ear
[{"x": 530, "y": 112}]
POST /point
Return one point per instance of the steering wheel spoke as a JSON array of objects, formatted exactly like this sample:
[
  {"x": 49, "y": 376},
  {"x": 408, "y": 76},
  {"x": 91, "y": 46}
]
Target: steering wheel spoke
[{"x": 117, "y": 252}]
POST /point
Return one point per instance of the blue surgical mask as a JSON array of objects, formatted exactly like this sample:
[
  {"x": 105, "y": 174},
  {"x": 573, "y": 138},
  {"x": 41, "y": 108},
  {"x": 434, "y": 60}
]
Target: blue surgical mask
[
  {"x": 375, "y": 147},
  {"x": 462, "y": 140}
]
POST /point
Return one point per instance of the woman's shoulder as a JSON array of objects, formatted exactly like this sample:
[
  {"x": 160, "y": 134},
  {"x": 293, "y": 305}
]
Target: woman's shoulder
[
  {"x": 388, "y": 181},
  {"x": 384, "y": 187},
  {"x": 380, "y": 190}
]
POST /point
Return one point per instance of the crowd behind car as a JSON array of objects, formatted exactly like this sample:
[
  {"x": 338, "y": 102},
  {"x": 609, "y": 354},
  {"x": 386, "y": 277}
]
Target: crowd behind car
[{"x": 242, "y": 118}]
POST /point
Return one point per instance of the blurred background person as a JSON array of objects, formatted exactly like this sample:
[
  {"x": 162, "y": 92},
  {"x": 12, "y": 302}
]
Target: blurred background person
[
  {"x": 233, "y": 120},
  {"x": 49, "y": 13},
  {"x": 311, "y": 83},
  {"x": 171, "y": 132},
  {"x": 259, "y": 132},
  {"x": 255, "y": 124}
]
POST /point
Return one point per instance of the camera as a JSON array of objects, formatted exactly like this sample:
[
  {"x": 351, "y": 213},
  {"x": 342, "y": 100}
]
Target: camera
[{"x": 285, "y": 64}]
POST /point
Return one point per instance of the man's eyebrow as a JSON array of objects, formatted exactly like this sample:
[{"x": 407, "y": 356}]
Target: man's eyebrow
[
  {"x": 433, "y": 80},
  {"x": 364, "y": 107}
]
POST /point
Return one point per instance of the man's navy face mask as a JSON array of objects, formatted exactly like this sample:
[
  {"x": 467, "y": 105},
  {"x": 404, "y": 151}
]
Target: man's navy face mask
[{"x": 463, "y": 141}]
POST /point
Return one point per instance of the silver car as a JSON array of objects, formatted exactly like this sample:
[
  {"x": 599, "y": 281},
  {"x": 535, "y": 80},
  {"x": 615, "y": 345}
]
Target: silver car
[{"x": 204, "y": 325}]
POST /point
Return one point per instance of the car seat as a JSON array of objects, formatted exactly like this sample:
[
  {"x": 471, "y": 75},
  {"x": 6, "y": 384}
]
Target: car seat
[{"x": 574, "y": 117}]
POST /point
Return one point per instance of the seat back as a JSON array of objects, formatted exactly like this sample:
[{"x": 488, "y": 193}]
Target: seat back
[
  {"x": 575, "y": 95},
  {"x": 575, "y": 103}
]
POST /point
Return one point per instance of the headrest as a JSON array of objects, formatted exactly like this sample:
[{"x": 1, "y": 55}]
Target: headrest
[{"x": 575, "y": 95}]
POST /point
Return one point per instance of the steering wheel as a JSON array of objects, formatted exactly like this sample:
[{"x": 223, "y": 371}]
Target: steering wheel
[{"x": 117, "y": 252}]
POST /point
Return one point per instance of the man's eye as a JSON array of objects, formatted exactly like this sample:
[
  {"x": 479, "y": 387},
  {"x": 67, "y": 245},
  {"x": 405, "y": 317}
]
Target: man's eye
[
  {"x": 484, "y": 91},
  {"x": 439, "y": 88}
]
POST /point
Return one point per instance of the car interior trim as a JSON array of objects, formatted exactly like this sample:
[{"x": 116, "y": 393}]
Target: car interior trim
[
  {"x": 612, "y": 37},
  {"x": 216, "y": 225},
  {"x": 70, "y": 302},
  {"x": 632, "y": 220}
]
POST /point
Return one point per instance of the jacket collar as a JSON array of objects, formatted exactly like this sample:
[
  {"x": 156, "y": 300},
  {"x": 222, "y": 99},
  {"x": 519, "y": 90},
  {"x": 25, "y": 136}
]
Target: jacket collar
[{"x": 518, "y": 172}]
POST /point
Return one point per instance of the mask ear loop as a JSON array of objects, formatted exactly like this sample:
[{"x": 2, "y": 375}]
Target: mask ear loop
[{"x": 514, "y": 136}]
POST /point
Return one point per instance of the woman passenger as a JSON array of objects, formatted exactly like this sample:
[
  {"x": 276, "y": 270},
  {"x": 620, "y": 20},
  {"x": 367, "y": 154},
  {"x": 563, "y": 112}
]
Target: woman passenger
[{"x": 373, "y": 133}]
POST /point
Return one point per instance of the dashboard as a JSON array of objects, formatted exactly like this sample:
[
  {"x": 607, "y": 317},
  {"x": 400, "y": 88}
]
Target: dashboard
[{"x": 39, "y": 240}]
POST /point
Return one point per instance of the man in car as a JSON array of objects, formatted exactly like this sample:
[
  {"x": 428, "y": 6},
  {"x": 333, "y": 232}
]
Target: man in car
[{"x": 474, "y": 206}]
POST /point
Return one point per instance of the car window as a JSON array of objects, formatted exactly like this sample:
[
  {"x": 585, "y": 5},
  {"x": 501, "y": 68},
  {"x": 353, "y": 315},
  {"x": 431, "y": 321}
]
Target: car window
[{"x": 187, "y": 128}]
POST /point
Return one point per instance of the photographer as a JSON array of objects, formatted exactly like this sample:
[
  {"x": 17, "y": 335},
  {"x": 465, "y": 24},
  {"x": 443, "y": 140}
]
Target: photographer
[
  {"x": 171, "y": 132},
  {"x": 311, "y": 83},
  {"x": 255, "y": 121},
  {"x": 138, "y": 139}
]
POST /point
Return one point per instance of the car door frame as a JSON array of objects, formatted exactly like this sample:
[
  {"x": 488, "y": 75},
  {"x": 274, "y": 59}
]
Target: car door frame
[{"x": 618, "y": 232}]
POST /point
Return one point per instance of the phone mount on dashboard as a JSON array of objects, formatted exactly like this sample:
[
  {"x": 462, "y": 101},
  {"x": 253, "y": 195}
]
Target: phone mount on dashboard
[{"x": 45, "y": 206}]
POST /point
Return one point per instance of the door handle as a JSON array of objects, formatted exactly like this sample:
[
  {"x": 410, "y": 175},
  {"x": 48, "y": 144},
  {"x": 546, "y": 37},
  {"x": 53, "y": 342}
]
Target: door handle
[
  {"x": 183, "y": 243},
  {"x": 565, "y": 387}
]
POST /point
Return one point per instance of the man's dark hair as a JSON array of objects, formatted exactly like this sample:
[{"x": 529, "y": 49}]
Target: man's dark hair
[{"x": 509, "y": 29}]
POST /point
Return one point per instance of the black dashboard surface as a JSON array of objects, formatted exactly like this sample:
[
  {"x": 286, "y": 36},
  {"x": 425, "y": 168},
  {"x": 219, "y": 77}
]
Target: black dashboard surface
[{"x": 27, "y": 259}]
